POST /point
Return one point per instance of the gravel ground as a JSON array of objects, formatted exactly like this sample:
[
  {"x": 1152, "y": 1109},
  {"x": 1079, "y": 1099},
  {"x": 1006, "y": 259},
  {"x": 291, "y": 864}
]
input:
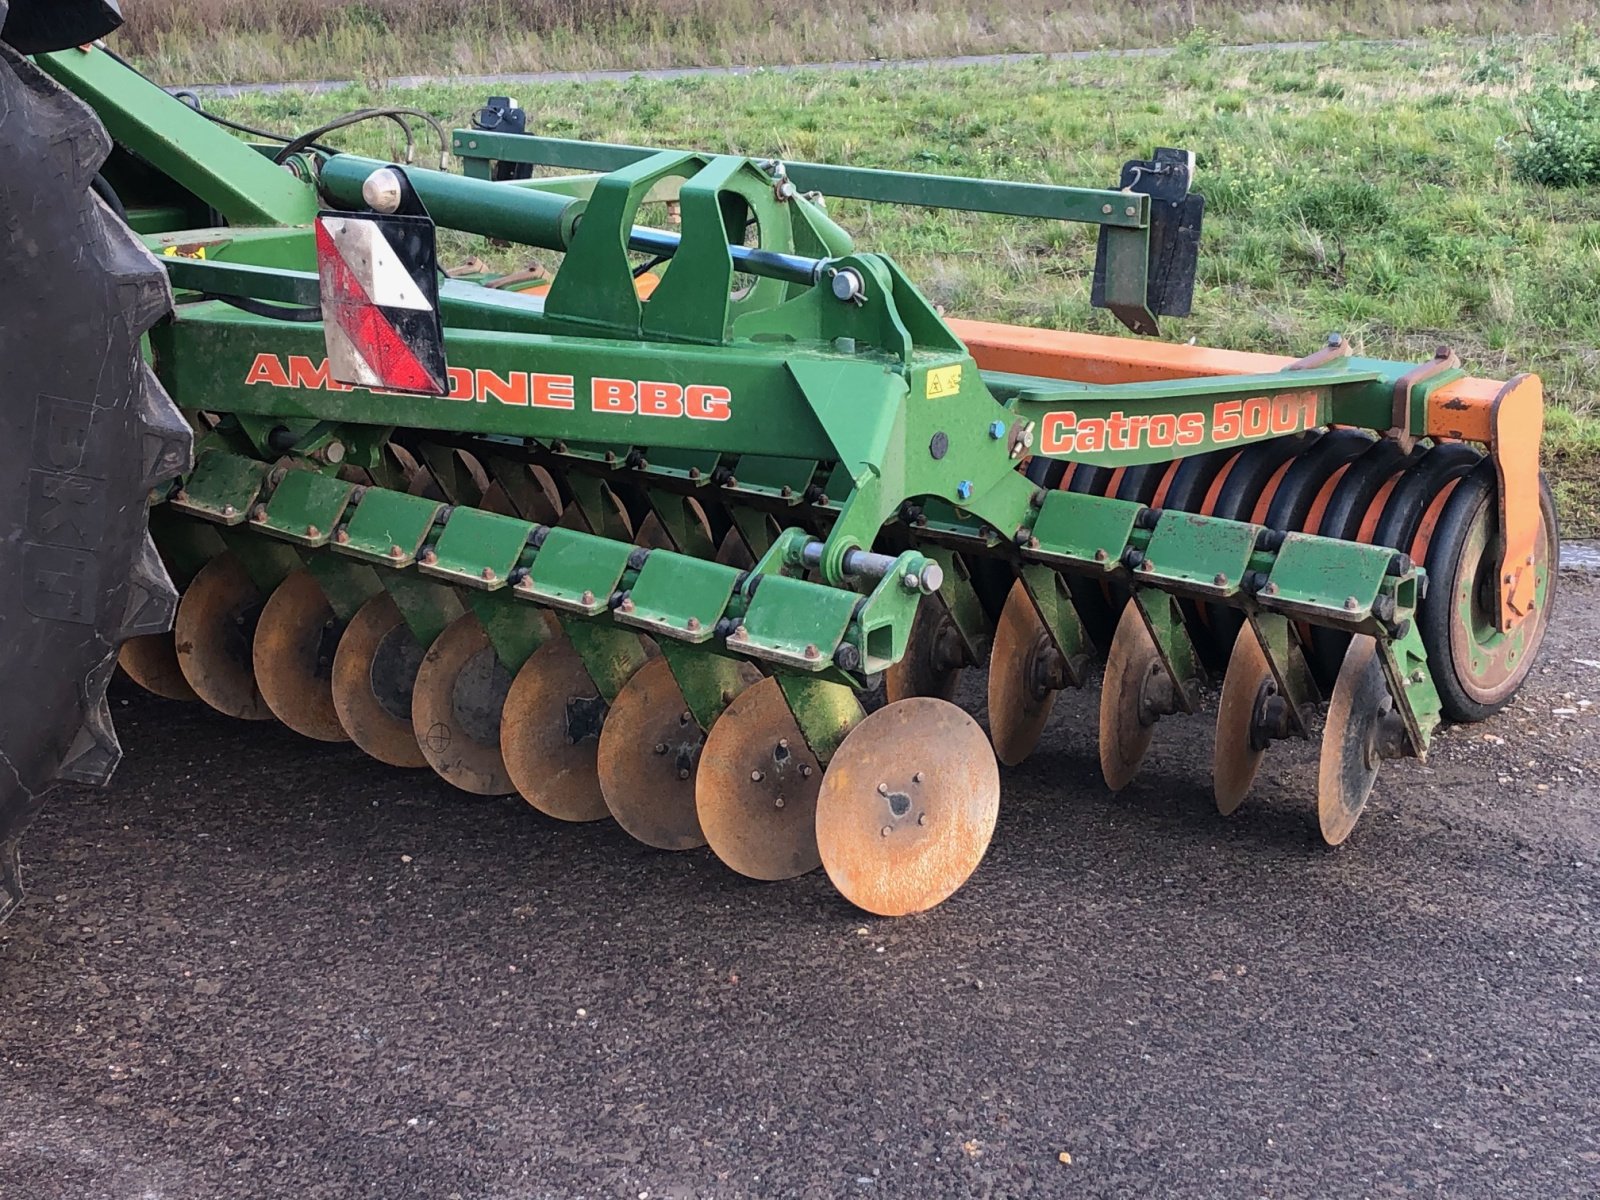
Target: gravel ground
[{"x": 258, "y": 966}]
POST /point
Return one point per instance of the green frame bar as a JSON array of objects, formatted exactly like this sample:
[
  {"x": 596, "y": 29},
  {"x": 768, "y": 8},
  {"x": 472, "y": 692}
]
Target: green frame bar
[{"x": 1094, "y": 206}]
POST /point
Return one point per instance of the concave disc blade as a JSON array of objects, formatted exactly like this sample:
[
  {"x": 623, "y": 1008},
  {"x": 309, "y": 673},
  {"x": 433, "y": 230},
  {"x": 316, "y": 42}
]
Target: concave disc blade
[
  {"x": 1234, "y": 759},
  {"x": 293, "y": 654},
  {"x": 756, "y": 790},
  {"x": 908, "y": 806},
  {"x": 373, "y": 672},
  {"x": 1130, "y": 665},
  {"x": 455, "y": 709},
  {"x": 151, "y": 661},
  {"x": 213, "y": 630},
  {"x": 925, "y": 669},
  {"x": 733, "y": 552},
  {"x": 1349, "y": 762},
  {"x": 550, "y": 734},
  {"x": 652, "y": 535},
  {"x": 1019, "y": 704},
  {"x": 649, "y": 755}
]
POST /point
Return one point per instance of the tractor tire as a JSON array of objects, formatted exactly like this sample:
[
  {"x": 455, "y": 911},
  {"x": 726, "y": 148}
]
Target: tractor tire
[{"x": 86, "y": 432}]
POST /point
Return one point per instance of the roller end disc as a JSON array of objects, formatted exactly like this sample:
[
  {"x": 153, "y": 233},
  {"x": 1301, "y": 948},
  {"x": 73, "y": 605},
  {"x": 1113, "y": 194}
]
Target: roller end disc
[
  {"x": 456, "y": 701},
  {"x": 215, "y": 625},
  {"x": 1350, "y": 758},
  {"x": 1131, "y": 666},
  {"x": 649, "y": 754},
  {"x": 373, "y": 672},
  {"x": 907, "y": 807},
  {"x": 550, "y": 734},
  {"x": 1235, "y": 759},
  {"x": 931, "y": 663},
  {"x": 151, "y": 661},
  {"x": 756, "y": 790},
  {"x": 1019, "y": 700},
  {"x": 293, "y": 652}
]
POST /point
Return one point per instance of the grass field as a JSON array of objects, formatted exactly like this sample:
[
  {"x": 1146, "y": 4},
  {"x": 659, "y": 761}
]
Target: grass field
[
  {"x": 196, "y": 41},
  {"x": 1356, "y": 189}
]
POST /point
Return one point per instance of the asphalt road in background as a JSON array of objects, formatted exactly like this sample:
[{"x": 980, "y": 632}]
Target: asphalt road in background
[{"x": 257, "y": 966}]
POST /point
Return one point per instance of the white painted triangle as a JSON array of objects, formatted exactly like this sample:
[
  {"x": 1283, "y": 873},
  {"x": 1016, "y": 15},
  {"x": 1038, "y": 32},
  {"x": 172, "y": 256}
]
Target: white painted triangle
[{"x": 374, "y": 263}]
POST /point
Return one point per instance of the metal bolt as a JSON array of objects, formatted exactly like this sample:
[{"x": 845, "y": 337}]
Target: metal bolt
[
  {"x": 1220, "y": 579},
  {"x": 911, "y": 581},
  {"x": 1507, "y": 578},
  {"x": 1147, "y": 565},
  {"x": 883, "y": 789},
  {"x": 661, "y": 747},
  {"x": 783, "y": 743},
  {"x": 964, "y": 490},
  {"x": 1130, "y": 211},
  {"x": 917, "y": 778},
  {"x": 887, "y": 830},
  {"x": 1106, "y": 209},
  {"x": 692, "y": 624},
  {"x": 334, "y": 453},
  {"x": 1351, "y": 603},
  {"x": 488, "y": 572},
  {"x": 922, "y": 818},
  {"x": 685, "y": 717},
  {"x": 738, "y": 635},
  {"x": 258, "y": 513},
  {"x": 396, "y": 552},
  {"x": 341, "y": 535},
  {"x": 778, "y": 803},
  {"x": 587, "y": 597},
  {"x": 805, "y": 770},
  {"x": 1102, "y": 554},
  {"x": 626, "y": 605},
  {"x": 756, "y": 776},
  {"x": 683, "y": 772},
  {"x": 228, "y": 510},
  {"x": 312, "y": 531},
  {"x": 1418, "y": 675},
  {"x": 812, "y": 651},
  {"x": 429, "y": 556},
  {"x": 1270, "y": 590},
  {"x": 181, "y": 496},
  {"x": 997, "y": 430}
]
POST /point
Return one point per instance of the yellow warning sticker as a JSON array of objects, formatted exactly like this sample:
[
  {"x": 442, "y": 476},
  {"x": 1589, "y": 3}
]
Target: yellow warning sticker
[
  {"x": 944, "y": 381},
  {"x": 194, "y": 250}
]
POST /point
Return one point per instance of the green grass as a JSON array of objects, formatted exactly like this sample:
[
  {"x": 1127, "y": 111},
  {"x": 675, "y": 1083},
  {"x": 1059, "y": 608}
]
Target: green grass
[
  {"x": 196, "y": 41},
  {"x": 1351, "y": 189}
]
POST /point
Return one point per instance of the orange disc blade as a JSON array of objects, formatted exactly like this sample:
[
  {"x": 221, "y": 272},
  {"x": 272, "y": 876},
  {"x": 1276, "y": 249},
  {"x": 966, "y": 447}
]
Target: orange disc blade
[
  {"x": 550, "y": 734},
  {"x": 214, "y": 628},
  {"x": 460, "y": 689},
  {"x": 374, "y": 669},
  {"x": 293, "y": 650}
]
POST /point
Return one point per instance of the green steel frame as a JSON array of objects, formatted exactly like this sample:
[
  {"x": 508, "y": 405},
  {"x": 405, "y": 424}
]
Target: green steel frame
[{"x": 827, "y": 416}]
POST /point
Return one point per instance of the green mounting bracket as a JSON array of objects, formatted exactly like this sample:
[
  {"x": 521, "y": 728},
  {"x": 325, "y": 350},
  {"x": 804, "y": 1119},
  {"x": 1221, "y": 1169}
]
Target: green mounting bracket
[
  {"x": 611, "y": 655},
  {"x": 388, "y": 528},
  {"x": 477, "y": 549},
  {"x": 304, "y": 508},
  {"x": 222, "y": 488},
  {"x": 1164, "y": 619},
  {"x": 1053, "y": 603},
  {"x": 678, "y": 597},
  {"x": 825, "y": 711},
  {"x": 428, "y": 608},
  {"x": 576, "y": 572},
  {"x": 1280, "y": 644},
  {"x": 1405, "y": 666},
  {"x": 708, "y": 680}
]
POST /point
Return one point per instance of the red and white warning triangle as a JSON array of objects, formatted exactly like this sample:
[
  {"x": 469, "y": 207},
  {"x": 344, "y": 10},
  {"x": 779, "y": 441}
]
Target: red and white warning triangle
[{"x": 379, "y": 315}]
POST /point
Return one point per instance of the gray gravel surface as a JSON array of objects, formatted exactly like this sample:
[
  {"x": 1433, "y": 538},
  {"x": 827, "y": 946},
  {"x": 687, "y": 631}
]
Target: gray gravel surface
[{"x": 257, "y": 966}]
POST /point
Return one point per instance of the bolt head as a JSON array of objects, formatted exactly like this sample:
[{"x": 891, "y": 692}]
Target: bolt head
[
  {"x": 883, "y": 789},
  {"x": 692, "y": 625},
  {"x": 887, "y": 830},
  {"x": 341, "y": 535},
  {"x": 922, "y": 818},
  {"x": 997, "y": 430},
  {"x": 964, "y": 490},
  {"x": 812, "y": 651},
  {"x": 228, "y": 510},
  {"x": 778, "y": 803},
  {"x": 756, "y": 776},
  {"x": 488, "y": 573},
  {"x": 429, "y": 556},
  {"x": 587, "y": 597},
  {"x": 258, "y": 513},
  {"x": 805, "y": 770},
  {"x": 1351, "y": 603},
  {"x": 910, "y": 581},
  {"x": 661, "y": 747},
  {"x": 683, "y": 772},
  {"x": 312, "y": 531},
  {"x": 396, "y": 552}
]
